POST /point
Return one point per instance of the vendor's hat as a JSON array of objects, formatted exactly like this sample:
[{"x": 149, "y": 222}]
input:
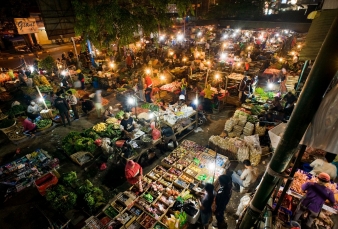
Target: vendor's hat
[
  {"x": 130, "y": 164},
  {"x": 78, "y": 71},
  {"x": 324, "y": 177}
]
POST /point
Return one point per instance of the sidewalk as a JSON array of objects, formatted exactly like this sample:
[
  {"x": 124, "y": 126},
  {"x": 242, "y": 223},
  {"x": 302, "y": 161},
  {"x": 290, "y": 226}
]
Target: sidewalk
[{"x": 46, "y": 49}]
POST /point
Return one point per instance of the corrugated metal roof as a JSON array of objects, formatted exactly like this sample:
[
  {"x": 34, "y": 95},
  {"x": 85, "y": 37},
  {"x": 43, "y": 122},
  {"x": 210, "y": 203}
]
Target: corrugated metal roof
[{"x": 317, "y": 33}]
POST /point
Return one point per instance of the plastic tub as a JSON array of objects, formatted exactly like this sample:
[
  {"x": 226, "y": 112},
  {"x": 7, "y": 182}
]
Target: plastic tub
[
  {"x": 45, "y": 182},
  {"x": 307, "y": 167}
]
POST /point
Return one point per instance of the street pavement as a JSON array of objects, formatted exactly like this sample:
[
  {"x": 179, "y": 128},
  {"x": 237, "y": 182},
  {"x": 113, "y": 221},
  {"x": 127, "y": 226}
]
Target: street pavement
[{"x": 13, "y": 60}]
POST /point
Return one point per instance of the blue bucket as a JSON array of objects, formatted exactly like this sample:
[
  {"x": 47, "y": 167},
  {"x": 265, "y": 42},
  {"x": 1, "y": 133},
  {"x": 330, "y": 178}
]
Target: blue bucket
[
  {"x": 307, "y": 167},
  {"x": 95, "y": 84}
]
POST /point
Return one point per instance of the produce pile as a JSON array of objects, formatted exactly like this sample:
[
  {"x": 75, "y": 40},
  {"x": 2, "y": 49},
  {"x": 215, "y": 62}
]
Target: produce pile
[
  {"x": 240, "y": 124},
  {"x": 72, "y": 193},
  {"x": 42, "y": 83},
  {"x": 164, "y": 187},
  {"x": 171, "y": 87},
  {"x": 15, "y": 110},
  {"x": 262, "y": 96},
  {"x": 16, "y": 133},
  {"x": 5, "y": 96},
  {"x": 43, "y": 123},
  {"x": 238, "y": 149}
]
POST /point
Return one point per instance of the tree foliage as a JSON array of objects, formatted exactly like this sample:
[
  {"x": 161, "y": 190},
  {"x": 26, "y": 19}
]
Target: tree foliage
[
  {"x": 244, "y": 9},
  {"x": 107, "y": 21}
]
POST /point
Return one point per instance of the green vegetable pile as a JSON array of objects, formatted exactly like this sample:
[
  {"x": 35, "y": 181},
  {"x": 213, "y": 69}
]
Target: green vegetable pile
[
  {"x": 148, "y": 197},
  {"x": 264, "y": 95},
  {"x": 69, "y": 179},
  {"x": 256, "y": 110},
  {"x": 253, "y": 119},
  {"x": 85, "y": 144},
  {"x": 90, "y": 133},
  {"x": 17, "y": 109},
  {"x": 6, "y": 123},
  {"x": 182, "y": 216},
  {"x": 150, "y": 106},
  {"x": 111, "y": 212},
  {"x": 92, "y": 196},
  {"x": 69, "y": 141},
  {"x": 45, "y": 88},
  {"x": 110, "y": 132},
  {"x": 119, "y": 115},
  {"x": 60, "y": 198},
  {"x": 43, "y": 123}
]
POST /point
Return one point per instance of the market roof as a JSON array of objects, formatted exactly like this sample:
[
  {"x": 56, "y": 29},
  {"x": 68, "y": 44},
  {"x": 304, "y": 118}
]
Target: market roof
[{"x": 317, "y": 33}]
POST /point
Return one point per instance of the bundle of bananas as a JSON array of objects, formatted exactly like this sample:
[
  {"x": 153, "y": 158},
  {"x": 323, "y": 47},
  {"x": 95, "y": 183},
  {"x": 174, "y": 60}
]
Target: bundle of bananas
[
  {"x": 112, "y": 120},
  {"x": 100, "y": 127},
  {"x": 43, "y": 80}
]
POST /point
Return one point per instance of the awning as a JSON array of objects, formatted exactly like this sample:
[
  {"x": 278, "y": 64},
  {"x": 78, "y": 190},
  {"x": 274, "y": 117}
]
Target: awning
[{"x": 317, "y": 33}]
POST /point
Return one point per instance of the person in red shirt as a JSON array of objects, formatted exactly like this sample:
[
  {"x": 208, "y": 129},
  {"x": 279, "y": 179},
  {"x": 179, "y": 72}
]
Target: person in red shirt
[
  {"x": 149, "y": 83},
  {"x": 133, "y": 172},
  {"x": 28, "y": 126}
]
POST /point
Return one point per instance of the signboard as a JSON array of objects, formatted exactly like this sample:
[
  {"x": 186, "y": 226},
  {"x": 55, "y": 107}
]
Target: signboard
[{"x": 26, "y": 25}]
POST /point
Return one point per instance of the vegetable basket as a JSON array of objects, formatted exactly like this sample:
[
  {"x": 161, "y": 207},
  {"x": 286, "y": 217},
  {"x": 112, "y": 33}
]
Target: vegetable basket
[
  {"x": 8, "y": 129},
  {"x": 46, "y": 127},
  {"x": 46, "y": 114},
  {"x": 81, "y": 158}
]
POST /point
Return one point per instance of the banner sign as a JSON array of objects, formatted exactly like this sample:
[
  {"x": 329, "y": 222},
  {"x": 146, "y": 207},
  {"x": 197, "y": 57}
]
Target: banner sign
[{"x": 26, "y": 25}]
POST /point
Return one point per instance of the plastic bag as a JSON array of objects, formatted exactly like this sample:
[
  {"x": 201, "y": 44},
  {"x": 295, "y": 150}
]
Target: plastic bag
[
  {"x": 190, "y": 209},
  {"x": 243, "y": 203},
  {"x": 156, "y": 134},
  {"x": 255, "y": 149}
]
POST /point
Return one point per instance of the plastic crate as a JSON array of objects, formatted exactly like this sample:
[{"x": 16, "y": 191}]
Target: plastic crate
[{"x": 45, "y": 182}]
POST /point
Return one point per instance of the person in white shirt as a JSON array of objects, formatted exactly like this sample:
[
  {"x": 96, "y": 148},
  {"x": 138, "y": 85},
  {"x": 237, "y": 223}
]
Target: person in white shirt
[
  {"x": 33, "y": 110},
  {"x": 244, "y": 178},
  {"x": 72, "y": 100}
]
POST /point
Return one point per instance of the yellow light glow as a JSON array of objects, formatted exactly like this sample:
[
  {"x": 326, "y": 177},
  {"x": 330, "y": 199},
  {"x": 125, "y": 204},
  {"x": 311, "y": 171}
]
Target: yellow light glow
[
  {"x": 184, "y": 59},
  {"x": 112, "y": 65},
  {"x": 292, "y": 53},
  {"x": 217, "y": 76},
  {"x": 224, "y": 45},
  {"x": 249, "y": 48},
  {"x": 171, "y": 53},
  {"x": 280, "y": 59},
  {"x": 238, "y": 64},
  {"x": 148, "y": 71},
  {"x": 298, "y": 46},
  {"x": 208, "y": 62},
  {"x": 162, "y": 77}
]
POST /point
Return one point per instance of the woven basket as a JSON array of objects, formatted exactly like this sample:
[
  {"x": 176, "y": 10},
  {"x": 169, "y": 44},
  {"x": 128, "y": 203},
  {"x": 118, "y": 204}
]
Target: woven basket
[
  {"x": 47, "y": 115},
  {"x": 8, "y": 129},
  {"x": 46, "y": 127},
  {"x": 76, "y": 156}
]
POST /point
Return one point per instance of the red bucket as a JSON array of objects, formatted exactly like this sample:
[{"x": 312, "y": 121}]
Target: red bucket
[{"x": 120, "y": 143}]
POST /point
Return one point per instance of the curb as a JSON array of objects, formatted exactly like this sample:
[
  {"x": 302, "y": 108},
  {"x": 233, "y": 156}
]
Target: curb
[{"x": 24, "y": 55}]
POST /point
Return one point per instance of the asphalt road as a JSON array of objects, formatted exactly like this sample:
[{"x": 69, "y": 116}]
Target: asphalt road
[{"x": 13, "y": 61}]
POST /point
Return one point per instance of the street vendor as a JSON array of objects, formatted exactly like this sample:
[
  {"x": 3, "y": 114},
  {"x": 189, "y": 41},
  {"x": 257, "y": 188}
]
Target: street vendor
[
  {"x": 28, "y": 126},
  {"x": 276, "y": 105},
  {"x": 184, "y": 86},
  {"x": 316, "y": 194},
  {"x": 87, "y": 105},
  {"x": 222, "y": 199},
  {"x": 133, "y": 172},
  {"x": 244, "y": 178},
  {"x": 148, "y": 88},
  {"x": 127, "y": 124},
  {"x": 207, "y": 98},
  {"x": 242, "y": 87},
  {"x": 290, "y": 100},
  {"x": 282, "y": 77},
  {"x": 108, "y": 113},
  {"x": 33, "y": 110},
  {"x": 206, "y": 203}
]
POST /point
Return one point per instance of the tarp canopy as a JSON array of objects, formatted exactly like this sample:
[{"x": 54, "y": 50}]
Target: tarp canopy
[{"x": 317, "y": 33}]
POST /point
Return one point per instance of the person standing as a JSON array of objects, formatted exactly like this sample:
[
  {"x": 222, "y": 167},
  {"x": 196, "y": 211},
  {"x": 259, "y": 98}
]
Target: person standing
[
  {"x": 316, "y": 194},
  {"x": 62, "y": 106},
  {"x": 81, "y": 78},
  {"x": 129, "y": 61},
  {"x": 242, "y": 87},
  {"x": 290, "y": 100},
  {"x": 222, "y": 199},
  {"x": 149, "y": 84},
  {"x": 140, "y": 87},
  {"x": 73, "y": 104},
  {"x": 283, "y": 78},
  {"x": 98, "y": 102},
  {"x": 206, "y": 203},
  {"x": 134, "y": 173},
  {"x": 208, "y": 98},
  {"x": 244, "y": 178}
]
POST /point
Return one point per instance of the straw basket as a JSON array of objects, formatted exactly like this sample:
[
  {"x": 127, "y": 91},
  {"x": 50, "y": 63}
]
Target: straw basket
[
  {"x": 46, "y": 114},
  {"x": 8, "y": 129},
  {"x": 46, "y": 127}
]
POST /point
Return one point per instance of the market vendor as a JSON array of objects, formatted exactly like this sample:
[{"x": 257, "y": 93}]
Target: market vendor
[
  {"x": 244, "y": 178},
  {"x": 208, "y": 98},
  {"x": 28, "y": 126},
  {"x": 184, "y": 86},
  {"x": 87, "y": 105},
  {"x": 242, "y": 87},
  {"x": 148, "y": 88},
  {"x": 282, "y": 77},
  {"x": 168, "y": 135},
  {"x": 133, "y": 172},
  {"x": 33, "y": 110},
  {"x": 290, "y": 100},
  {"x": 127, "y": 124},
  {"x": 108, "y": 113},
  {"x": 316, "y": 194},
  {"x": 276, "y": 105}
]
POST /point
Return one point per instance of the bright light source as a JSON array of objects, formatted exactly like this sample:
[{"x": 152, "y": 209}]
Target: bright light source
[
  {"x": 131, "y": 100},
  {"x": 238, "y": 64},
  {"x": 224, "y": 45},
  {"x": 161, "y": 38},
  {"x": 180, "y": 37},
  {"x": 63, "y": 72},
  {"x": 211, "y": 166},
  {"x": 41, "y": 99},
  {"x": 261, "y": 37},
  {"x": 298, "y": 46},
  {"x": 286, "y": 31},
  {"x": 293, "y": 53},
  {"x": 171, "y": 53},
  {"x": 162, "y": 77},
  {"x": 293, "y": 2},
  {"x": 31, "y": 68},
  {"x": 280, "y": 59},
  {"x": 138, "y": 45},
  {"x": 225, "y": 36},
  {"x": 223, "y": 56},
  {"x": 184, "y": 59},
  {"x": 247, "y": 34},
  {"x": 151, "y": 115},
  {"x": 112, "y": 65},
  {"x": 238, "y": 30},
  {"x": 195, "y": 101},
  {"x": 249, "y": 47},
  {"x": 148, "y": 71},
  {"x": 277, "y": 34},
  {"x": 199, "y": 34},
  {"x": 270, "y": 85},
  {"x": 208, "y": 62},
  {"x": 217, "y": 76}
]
